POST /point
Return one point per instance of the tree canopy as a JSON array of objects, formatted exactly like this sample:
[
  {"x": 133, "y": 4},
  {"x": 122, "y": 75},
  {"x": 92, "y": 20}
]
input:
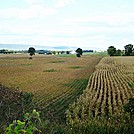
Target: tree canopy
[
  {"x": 111, "y": 50},
  {"x": 128, "y": 49},
  {"x": 79, "y": 52},
  {"x": 31, "y": 51}
]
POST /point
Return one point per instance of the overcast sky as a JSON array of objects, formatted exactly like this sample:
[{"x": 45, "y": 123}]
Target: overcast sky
[{"x": 89, "y": 24}]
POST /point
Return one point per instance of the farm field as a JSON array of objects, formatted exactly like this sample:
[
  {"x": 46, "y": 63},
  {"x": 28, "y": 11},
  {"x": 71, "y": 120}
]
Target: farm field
[
  {"x": 109, "y": 88},
  {"x": 55, "y": 81}
]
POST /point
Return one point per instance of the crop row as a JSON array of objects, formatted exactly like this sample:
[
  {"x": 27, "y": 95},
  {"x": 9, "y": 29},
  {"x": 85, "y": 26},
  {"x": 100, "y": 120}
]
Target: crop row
[{"x": 108, "y": 90}]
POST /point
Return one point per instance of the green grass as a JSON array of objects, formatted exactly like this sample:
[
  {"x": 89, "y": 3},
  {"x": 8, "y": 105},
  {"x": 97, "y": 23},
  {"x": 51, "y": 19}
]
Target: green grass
[
  {"x": 26, "y": 64},
  {"x": 77, "y": 82},
  {"x": 60, "y": 61},
  {"x": 59, "y": 106},
  {"x": 75, "y": 67},
  {"x": 66, "y": 55},
  {"x": 96, "y": 53},
  {"x": 51, "y": 70}
]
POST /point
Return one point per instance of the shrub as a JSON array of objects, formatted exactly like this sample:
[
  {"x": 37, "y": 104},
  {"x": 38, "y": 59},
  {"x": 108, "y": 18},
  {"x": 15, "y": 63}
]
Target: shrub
[
  {"x": 13, "y": 104},
  {"x": 29, "y": 125}
]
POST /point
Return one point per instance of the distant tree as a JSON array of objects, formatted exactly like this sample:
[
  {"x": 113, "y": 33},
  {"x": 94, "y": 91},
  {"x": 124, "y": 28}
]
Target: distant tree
[
  {"x": 79, "y": 52},
  {"x": 31, "y": 51},
  {"x": 67, "y": 52},
  {"x": 128, "y": 49},
  {"x": 62, "y": 52},
  {"x": 53, "y": 52},
  {"x": 111, "y": 50},
  {"x": 132, "y": 53}
]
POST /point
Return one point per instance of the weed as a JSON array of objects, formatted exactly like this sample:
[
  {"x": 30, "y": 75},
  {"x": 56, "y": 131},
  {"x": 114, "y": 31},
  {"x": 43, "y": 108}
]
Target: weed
[
  {"x": 29, "y": 125},
  {"x": 51, "y": 70},
  {"x": 75, "y": 67},
  {"x": 60, "y": 61}
]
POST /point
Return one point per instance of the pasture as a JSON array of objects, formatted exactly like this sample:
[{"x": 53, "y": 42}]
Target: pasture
[{"x": 55, "y": 81}]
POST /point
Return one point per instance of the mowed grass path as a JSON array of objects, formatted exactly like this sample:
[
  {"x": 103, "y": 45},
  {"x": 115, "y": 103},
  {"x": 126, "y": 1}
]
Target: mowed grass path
[{"x": 55, "y": 81}]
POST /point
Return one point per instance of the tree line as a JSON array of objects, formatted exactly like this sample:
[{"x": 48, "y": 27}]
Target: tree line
[{"x": 129, "y": 51}]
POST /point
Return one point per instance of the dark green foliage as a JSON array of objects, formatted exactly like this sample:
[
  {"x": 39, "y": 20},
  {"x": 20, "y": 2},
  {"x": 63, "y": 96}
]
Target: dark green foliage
[
  {"x": 51, "y": 70},
  {"x": 58, "y": 129},
  {"x": 111, "y": 50},
  {"x": 76, "y": 67},
  {"x": 26, "y": 98},
  {"x": 31, "y": 51},
  {"x": 128, "y": 49},
  {"x": 118, "y": 52},
  {"x": 79, "y": 52},
  {"x": 78, "y": 55},
  {"x": 67, "y": 52},
  {"x": 13, "y": 104},
  {"x": 30, "y": 124},
  {"x": 131, "y": 85},
  {"x": 53, "y": 52},
  {"x": 129, "y": 108},
  {"x": 94, "y": 128}
]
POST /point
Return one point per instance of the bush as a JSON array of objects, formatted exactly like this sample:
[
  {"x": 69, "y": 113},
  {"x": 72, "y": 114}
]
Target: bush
[
  {"x": 29, "y": 125},
  {"x": 129, "y": 108},
  {"x": 13, "y": 104}
]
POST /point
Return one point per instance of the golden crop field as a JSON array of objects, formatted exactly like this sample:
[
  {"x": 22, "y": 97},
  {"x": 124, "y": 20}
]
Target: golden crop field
[
  {"x": 109, "y": 88},
  {"x": 55, "y": 81}
]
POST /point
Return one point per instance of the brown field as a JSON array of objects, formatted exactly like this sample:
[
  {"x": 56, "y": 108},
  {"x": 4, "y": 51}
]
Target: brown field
[
  {"x": 54, "y": 81},
  {"x": 109, "y": 88}
]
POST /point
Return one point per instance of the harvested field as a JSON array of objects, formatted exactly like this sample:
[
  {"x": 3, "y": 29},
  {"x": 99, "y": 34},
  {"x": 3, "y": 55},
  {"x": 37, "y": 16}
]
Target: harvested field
[
  {"x": 109, "y": 88},
  {"x": 55, "y": 81}
]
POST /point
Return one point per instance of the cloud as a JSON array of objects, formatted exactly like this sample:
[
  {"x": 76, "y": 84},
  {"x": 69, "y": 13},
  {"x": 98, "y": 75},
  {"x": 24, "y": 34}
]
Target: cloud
[
  {"x": 31, "y": 2},
  {"x": 34, "y": 11},
  {"x": 111, "y": 20},
  {"x": 63, "y": 3}
]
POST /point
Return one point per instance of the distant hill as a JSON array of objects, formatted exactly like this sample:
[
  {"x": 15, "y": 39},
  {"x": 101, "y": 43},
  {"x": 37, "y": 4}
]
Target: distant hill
[{"x": 26, "y": 46}]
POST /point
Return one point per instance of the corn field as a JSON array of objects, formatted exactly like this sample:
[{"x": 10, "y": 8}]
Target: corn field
[{"x": 109, "y": 88}]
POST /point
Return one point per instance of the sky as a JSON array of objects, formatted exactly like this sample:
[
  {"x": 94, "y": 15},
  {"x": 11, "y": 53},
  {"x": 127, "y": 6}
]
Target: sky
[{"x": 88, "y": 24}]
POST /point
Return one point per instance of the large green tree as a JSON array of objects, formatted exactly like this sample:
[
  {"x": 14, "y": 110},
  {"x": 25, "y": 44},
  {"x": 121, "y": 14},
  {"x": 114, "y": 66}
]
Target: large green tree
[
  {"x": 31, "y": 51},
  {"x": 111, "y": 50},
  {"x": 79, "y": 52},
  {"x": 128, "y": 49}
]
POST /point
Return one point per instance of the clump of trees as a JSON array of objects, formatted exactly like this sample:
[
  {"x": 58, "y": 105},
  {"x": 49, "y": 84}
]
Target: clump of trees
[
  {"x": 4, "y": 51},
  {"x": 129, "y": 51}
]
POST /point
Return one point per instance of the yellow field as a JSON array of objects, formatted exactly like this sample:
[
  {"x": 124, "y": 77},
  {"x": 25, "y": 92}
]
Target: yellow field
[
  {"x": 51, "y": 79},
  {"x": 110, "y": 87}
]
